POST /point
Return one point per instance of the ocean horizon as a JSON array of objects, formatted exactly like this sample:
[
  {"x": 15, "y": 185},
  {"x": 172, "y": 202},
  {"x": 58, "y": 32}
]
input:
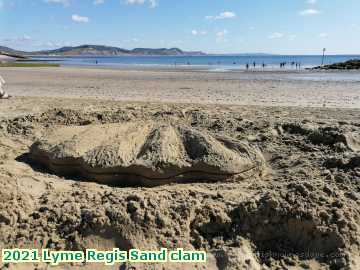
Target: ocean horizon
[{"x": 208, "y": 62}]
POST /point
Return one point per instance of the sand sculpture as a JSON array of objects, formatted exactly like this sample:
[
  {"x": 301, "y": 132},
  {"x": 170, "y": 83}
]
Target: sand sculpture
[{"x": 145, "y": 153}]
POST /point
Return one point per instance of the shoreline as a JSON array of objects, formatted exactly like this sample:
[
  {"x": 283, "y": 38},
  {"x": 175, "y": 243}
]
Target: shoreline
[
  {"x": 204, "y": 62},
  {"x": 300, "y": 89},
  {"x": 197, "y": 68}
]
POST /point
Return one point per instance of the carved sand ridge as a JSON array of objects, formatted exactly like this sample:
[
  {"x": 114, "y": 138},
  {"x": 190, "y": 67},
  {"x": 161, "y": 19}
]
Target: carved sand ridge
[{"x": 145, "y": 153}]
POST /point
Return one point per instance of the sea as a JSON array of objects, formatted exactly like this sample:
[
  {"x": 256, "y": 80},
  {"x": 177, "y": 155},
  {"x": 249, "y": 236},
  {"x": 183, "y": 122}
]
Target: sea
[{"x": 208, "y": 62}]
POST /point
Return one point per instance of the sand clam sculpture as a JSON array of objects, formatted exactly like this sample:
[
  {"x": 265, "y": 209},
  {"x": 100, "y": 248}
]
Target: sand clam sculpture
[{"x": 145, "y": 154}]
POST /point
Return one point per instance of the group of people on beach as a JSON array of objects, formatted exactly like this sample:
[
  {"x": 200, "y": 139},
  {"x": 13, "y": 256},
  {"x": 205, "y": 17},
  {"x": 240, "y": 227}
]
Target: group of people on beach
[
  {"x": 253, "y": 64},
  {"x": 263, "y": 65},
  {"x": 282, "y": 65},
  {"x": 297, "y": 64},
  {"x": 3, "y": 94}
]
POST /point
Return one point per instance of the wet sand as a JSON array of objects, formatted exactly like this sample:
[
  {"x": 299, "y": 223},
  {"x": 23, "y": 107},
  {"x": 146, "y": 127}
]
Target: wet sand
[{"x": 237, "y": 88}]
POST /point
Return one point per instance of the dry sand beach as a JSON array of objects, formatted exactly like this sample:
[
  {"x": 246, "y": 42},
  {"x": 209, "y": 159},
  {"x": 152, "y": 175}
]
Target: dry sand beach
[
  {"x": 237, "y": 88},
  {"x": 298, "y": 210}
]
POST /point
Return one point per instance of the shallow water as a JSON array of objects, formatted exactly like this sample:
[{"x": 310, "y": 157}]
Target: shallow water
[
  {"x": 304, "y": 75},
  {"x": 209, "y": 62},
  {"x": 224, "y": 64}
]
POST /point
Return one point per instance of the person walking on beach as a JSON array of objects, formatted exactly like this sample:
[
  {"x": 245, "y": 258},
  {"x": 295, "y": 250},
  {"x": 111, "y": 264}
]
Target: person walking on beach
[
  {"x": 3, "y": 94},
  {"x": 254, "y": 64},
  {"x": 247, "y": 66}
]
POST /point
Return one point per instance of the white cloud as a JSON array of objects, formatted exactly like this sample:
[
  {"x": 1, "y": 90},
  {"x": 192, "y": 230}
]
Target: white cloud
[
  {"x": 323, "y": 35},
  {"x": 222, "y": 15},
  {"x": 292, "y": 37},
  {"x": 312, "y": 2},
  {"x": 221, "y": 36},
  {"x": 198, "y": 32},
  {"x": 26, "y": 42},
  {"x": 49, "y": 44},
  {"x": 63, "y": 2},
  {"x": 17, "y": 41},
  {"x": 276, "y": 35},
  {"x": 52, "y": 44},
  {"x": 80, "y": 19},
  {"x": 309, "y": 12},
  {"x": 25, "y": 37},
  {"x": 135, "y": 2},
  {"x": 98, "y": 2},
  {"x": 279, "y": 35},
  {"x": 153, "y": 3},
  {"x": 177, "y": 42}
]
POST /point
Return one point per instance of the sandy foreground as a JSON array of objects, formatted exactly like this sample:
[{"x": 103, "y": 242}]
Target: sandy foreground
[{"x": 303, "y": 213}]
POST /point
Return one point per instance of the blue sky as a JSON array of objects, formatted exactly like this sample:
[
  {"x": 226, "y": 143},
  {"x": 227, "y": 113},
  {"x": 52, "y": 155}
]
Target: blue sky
[{"x": 215, "y": 26}]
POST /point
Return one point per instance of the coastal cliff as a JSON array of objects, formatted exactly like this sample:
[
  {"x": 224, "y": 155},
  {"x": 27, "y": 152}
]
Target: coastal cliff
[{"x": 100, "y": 50}]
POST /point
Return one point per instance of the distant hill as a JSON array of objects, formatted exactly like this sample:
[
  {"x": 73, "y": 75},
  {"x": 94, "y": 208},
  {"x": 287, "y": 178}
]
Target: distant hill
[
  {"x": 10, "y": 52},
  {"x": 82, "y": 50},
  {"x": 163, "y": 51},
  {"x": 99, "y": 50}
]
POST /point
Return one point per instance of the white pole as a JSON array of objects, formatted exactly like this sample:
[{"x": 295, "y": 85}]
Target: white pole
[{"x": 323, "y": 57}]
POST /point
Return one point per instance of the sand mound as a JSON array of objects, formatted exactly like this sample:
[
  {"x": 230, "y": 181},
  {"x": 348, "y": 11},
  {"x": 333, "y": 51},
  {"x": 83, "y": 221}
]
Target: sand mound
[
  {"x": 353, "y": 141},
  {"x": 144, "y": 153}
]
